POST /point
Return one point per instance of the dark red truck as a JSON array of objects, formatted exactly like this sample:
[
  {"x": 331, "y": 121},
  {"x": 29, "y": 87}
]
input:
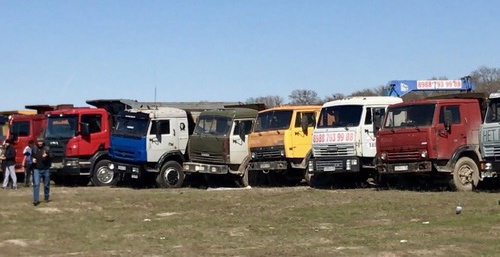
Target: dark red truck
[{"x": 435, "y": 139}]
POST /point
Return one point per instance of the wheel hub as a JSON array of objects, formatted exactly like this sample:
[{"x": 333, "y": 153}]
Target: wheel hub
[
  {"x": 104, "y": 175},
  {"x": 171, "y": 176}
]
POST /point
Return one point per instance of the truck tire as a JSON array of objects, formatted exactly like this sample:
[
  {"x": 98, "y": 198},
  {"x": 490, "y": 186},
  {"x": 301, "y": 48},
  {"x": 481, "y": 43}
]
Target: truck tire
[
  {"x": 102, "y": 175},
  {"x": 464, "y": 174},
  {"x": 248, "y": 179},
  {"x": 171, "y": 175}
]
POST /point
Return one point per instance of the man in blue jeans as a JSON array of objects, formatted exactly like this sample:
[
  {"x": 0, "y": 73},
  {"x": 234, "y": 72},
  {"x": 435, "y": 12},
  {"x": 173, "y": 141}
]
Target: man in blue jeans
[{"x": 41, "y": 162}]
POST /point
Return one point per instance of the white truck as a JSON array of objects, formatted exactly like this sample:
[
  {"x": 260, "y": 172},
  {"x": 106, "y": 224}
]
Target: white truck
[
  {"x": 150, "y": 143},
  {"x": 343, "y": 140},
  {"x": 489, "y": 139}
]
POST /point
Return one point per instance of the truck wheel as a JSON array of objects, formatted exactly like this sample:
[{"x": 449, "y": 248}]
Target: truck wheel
[
  {"x": 464, "y": 174},
  {"x": 171, "y": 175},
  {"x": 102, "y": 175}
]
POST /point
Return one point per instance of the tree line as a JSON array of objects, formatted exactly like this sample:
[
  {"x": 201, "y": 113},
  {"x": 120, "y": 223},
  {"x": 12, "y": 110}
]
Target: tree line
[{"x": 486, "y": 79}]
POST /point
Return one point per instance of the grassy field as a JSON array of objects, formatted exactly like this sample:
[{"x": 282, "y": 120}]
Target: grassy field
[{"x": 296, "y": 221}]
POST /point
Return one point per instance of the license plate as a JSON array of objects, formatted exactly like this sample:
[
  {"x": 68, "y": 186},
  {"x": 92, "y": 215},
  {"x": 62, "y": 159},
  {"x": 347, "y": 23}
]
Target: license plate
[
  {"x": 330, "y": 168},
  {"x": 401, "y": 168},
  {"x": 199, "y": 168},
  {"x": 122, "y": 167},
  {"x": 134, "y": 176},
  {"x": 265, "y": 166}
]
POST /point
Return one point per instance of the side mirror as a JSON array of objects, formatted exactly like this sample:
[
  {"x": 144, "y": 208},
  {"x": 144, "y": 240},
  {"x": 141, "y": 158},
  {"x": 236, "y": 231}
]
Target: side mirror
[
  {"x": 84, "y": 129},
  {"x": 304, "y": 123},
  {"x": 377, "y": 122},
  {"x": 158, "y": 131},
  {"x": 241, "y": 131},
  {"x": 448, "y": 118}
]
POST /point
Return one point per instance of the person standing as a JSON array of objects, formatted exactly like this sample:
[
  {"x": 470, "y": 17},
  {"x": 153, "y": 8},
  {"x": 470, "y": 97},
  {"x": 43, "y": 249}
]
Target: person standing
[
  {"x": 41, "y": 162},
  {"x": 28, "y": 163},
  {"x": 10, "y": 161}
]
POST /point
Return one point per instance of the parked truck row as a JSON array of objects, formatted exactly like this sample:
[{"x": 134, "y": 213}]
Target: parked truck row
[{"x": 453, "y": 138}]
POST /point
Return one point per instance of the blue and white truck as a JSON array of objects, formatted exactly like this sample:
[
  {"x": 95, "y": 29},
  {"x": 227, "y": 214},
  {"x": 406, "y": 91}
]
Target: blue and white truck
[{"x": 150, "y": 142}]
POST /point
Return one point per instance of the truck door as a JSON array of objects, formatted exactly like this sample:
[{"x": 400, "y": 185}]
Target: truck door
[
  {"x": 301, "y": 139},
  {"x": 447, "y": 141},
  {"x": 97, "y": 137},
  {"x": 238, "y": 146},
  {"x": 161, "y": 139},
  {"x": 368, "y": 136}
]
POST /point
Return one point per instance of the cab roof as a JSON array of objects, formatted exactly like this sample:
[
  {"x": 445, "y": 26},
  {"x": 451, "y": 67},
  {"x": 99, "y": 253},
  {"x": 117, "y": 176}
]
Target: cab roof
[
  {"x": 364, "y": 100},
  {"x": 293, "y": 107},
  {"x": 231, "y": 113}
]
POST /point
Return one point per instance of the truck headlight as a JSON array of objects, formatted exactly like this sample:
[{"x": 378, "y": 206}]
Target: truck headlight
[
  {"x": 310, "y": 166},
  {"x": 111, "y": 166},
  {"x": 135, "y": 170},
  {"x": 254, "y": 155},
  {"x": 282, "y": 152},
  {"x": 423, "y": 154},
  {"x": 383, "y": 156},
  {"x": 72, "y": 162}
]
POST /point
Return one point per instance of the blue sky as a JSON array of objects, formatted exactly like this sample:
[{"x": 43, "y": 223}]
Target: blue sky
[{"x": 54, "y": 52}]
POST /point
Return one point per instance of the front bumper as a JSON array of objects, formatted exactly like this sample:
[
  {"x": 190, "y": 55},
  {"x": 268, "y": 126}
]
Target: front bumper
[
  {"x": 135, "y": 171},
  {"x": 195, "y": 167},
  {"x": 489, "y": 169},
  {"x": 70, "y": 167},
  {"x": 268, "y": 165},
  {"x": 405, "y": 167},
  {"x": 334, "y": 165}
]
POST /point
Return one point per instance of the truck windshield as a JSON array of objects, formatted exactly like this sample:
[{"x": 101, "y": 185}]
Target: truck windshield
[
  {"x": 273, "y": 120},
  {"x": 133, "y": 127},
  {"x": 419, "y": 115},
  {"x": 493, "y": 112},
  {"x": 61, "y": 127},
  {"x": 213, "y": 125},
  {"x": 340, "y": 116}
]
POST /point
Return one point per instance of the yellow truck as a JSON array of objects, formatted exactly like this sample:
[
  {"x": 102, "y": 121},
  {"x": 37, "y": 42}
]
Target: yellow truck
[{"x": 279, "y": 144}]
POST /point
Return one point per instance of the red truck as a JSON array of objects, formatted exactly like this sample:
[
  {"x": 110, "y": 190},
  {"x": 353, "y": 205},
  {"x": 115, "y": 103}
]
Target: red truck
[
  {"x": 26, "y": 127},
  {"x": 79, "y": 139},
  {"x": 436, "y": 139}
]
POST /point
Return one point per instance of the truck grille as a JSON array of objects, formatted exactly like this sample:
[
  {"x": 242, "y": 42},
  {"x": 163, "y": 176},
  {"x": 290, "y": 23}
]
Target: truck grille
[
  {"x": 266, "y": 153},
  {"x": 58, "y": 152},
  {"x": 333, "y": 150},
  {"x": 491, "y": 151},
  {"x": 408, "y": 155},
  {"x": 321, "y": 164},
  {"x": 204, "y": 157},
  {"x": 123, "y": 154}
]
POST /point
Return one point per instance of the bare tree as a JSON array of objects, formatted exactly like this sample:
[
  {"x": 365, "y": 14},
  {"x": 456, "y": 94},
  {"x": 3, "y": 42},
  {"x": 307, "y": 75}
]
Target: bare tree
[
  {"x": 303, "y": 96},
  {"x": 486, "y": 79},
  {"x": 269, "y": 101},
  {"x": 335, "y": 96}
]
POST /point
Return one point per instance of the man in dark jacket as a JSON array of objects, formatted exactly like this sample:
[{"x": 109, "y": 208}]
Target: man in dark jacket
[
  {"x": 9, "y": 158},
  {"x": 42, "y": 163}
]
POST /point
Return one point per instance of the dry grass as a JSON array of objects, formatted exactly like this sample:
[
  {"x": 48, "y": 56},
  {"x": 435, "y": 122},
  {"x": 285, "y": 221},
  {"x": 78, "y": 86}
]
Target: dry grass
[{"x": 90, "y": 221}]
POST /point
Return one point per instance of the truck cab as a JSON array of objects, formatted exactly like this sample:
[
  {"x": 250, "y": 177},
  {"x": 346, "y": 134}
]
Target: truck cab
[
  {"x": 280, "y": 144},
  {"x": 343, "y": 140},
  {"x": 489, "y": 139},
  {"x": 26, "y": 125},
  {"x": 79, "y": 139},
  {"x": 219, "y": 144},
  {"x": 150, "y": 143},
  {"x": 436, "y": 138}
]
